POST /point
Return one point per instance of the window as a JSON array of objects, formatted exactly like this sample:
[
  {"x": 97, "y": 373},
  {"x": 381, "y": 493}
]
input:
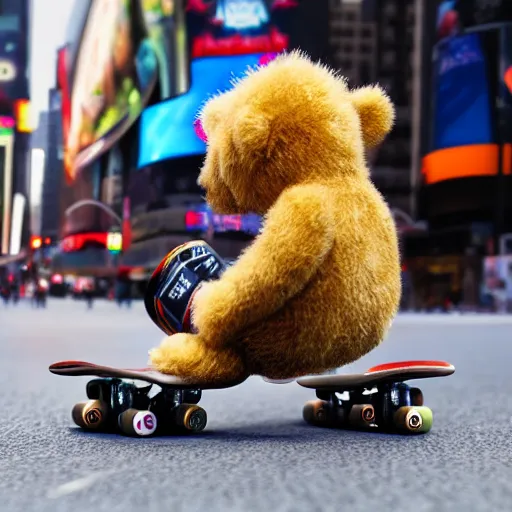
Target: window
[
  {"x": 390, "y": 9},
  {"x": 388, "y": 34},
  {"x": 346, "y": 65},
  {"x": 388, "y": 59},
  {"x": 365, "y": 73}
]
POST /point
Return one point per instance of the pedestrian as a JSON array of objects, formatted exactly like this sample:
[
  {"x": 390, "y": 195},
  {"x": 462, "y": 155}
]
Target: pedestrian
[
  {"x": 6, "y": 293},
  {"x": 88, "y": 291}
]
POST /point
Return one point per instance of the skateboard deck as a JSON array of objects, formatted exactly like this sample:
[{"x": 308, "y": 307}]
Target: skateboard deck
[
  {"x": 384, "y": 373},
  {"x": 149, "y": 375}
]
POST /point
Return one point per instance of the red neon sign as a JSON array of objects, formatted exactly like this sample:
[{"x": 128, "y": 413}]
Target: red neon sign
[{"x": 76, "y": 242}]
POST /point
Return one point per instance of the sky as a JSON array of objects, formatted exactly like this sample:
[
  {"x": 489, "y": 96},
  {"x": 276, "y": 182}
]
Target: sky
[{"x": 49, "y": 24}]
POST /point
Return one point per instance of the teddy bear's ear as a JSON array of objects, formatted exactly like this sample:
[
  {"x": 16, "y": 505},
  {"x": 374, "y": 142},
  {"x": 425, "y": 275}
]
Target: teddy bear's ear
[
  {"x": 213, "y": 111},
  {"x": 376, "y": 112},
  {"x": 252, "y": 133}
]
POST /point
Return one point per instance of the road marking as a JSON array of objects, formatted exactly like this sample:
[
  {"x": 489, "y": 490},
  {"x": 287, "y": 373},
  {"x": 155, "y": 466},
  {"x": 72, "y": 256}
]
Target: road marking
[{"x": 77, "y": 485}]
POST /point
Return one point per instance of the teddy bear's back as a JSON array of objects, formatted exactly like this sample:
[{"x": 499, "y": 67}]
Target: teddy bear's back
[{"x": 346, "y": 309}]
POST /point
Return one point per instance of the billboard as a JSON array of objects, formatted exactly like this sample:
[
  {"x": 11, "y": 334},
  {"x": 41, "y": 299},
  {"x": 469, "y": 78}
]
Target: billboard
[
  {"x": 167, "y": 129},
  {"x": 226, "y": 37},
  {"x": 106, "y": 75},
  {"x": 462, "y": 114},
  {"x": 234, "y": 27},
  {"x": 505, "y": 83},
  {"x": 455, "y": 16},
  {"x": 12, "y": 71},
  {"x": 463, "y": 138}
]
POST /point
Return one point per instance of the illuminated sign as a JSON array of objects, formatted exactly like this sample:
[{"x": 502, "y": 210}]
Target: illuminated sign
[
  {"x": 76, "y": 242},
  {"x": 8, "y": 71},
  {"x": 7, "y": 125},
  {"x": 23, "y": 116},
  {"x": 204, "y": 219},
  {"x": 239, "y": 27},
  {"x": 114, "y": 242},
  {"x": 108, "y": 78},
  {"x": 245, "y": 14}
]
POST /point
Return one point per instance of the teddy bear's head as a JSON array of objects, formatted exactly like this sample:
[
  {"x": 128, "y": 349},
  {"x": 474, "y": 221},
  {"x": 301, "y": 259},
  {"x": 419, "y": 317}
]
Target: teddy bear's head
[{"x": 290, "y": 122}]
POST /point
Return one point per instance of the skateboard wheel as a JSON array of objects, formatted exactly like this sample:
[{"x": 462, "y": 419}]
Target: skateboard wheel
[
  {"x": 316, "y": 412},
  {"x": 413, "y": 420},
  {"x": 416, "y": 397},
  {"x": 361, "y": 415},
  {"x": 90, "y": 415},
  {"x": 137, "y": 423},
  {"x": 191, "y": 417}
]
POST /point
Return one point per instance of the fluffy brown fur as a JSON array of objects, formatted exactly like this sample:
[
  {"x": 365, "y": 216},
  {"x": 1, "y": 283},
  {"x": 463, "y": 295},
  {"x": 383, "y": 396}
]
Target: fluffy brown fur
[{"x": 320, "y": 285}]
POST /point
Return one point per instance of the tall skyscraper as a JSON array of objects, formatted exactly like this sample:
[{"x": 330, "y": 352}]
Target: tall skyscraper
[
  {"x": 50, "y": 204},
  {"x": 14, "y": 127},
  {"x": 39, "y": 149}
]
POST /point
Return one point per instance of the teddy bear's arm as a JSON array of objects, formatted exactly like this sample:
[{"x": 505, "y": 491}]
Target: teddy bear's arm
[{"x": 297, "y": 235}]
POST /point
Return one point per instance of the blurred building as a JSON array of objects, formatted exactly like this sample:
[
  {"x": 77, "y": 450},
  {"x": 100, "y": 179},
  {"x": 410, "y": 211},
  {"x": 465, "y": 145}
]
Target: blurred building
[
  {"x": 53, "y": 170},
  {"x": 374, "y": 41},
  {"x": 39, "y": 150},
  {"x": 131, "y": 152},
  {"x": 392, "y": 163},
  {"x": 14, "y": 127},
  {"x": 464, "y": 148},
  {"x": 353, "y": 39}
]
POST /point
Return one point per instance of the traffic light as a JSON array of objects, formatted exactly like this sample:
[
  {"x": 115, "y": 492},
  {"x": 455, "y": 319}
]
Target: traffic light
[{"x": 36, "y": 242}]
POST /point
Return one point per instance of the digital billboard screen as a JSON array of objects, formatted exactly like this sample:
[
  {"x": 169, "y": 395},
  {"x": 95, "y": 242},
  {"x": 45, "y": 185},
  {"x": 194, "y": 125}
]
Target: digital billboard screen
[
  {"x": 233, "y": 27},
  {"x": 506, "y": 82},
  {"x": 12, "y": 70},
  {"x": 462, "y": 114},
  {"x": 455, "y": 16},
  {"x": 167, "y": 129},
  {"x": 463, "y": 138},
  {"x": 107, "y": 75},
  {"x": 226, "y": 38}
]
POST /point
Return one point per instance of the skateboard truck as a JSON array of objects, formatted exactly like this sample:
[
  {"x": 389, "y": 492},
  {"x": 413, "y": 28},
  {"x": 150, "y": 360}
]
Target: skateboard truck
[
  {"x": 378, "y": 399},
  {"x": 116, "y": 404}
]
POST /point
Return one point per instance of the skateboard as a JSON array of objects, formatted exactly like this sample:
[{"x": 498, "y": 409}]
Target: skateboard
[
  {"x": 378, "y": 399},
  {"x": 116, "y": 403},
  {"x": 175, "y": 281}
]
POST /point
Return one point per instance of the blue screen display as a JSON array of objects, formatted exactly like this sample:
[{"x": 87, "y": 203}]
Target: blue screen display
[
  {"x": 462, "y": 113},
  {"x": 167, "y": 129}
]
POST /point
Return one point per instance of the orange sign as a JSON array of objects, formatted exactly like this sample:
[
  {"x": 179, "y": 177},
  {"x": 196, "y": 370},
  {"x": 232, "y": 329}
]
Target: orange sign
[
  {"x": 465, "y": 162},
  {"x": 23, "y": 116}
]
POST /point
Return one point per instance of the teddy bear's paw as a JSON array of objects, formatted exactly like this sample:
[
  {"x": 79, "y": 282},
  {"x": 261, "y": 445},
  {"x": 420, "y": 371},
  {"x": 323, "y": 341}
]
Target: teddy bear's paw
[
  {"x": 186, "y": 356},
  {"x": 171, "y": 355}
]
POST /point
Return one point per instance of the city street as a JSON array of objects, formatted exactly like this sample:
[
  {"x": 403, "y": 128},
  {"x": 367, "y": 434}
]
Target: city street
[{"x": 256, "y": 453}]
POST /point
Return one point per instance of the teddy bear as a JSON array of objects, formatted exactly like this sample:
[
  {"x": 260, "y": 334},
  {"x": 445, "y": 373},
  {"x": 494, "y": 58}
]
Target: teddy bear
[{"x": 319, "y": 286}]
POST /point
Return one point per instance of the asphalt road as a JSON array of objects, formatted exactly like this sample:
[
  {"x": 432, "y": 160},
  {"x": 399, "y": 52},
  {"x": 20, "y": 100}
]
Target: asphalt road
[{"x": 256, "y": 454}]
